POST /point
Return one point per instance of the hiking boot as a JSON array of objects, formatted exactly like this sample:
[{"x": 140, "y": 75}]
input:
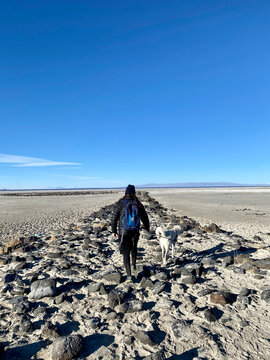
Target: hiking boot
[{"x": 129, "y": 279}]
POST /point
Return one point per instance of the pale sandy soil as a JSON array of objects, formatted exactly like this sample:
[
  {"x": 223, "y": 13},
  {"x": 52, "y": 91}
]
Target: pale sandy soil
[
  {"x": 245, "y": 211},
  {"x": 41, "y": 214},
  {"x": 177, "y": 315}
]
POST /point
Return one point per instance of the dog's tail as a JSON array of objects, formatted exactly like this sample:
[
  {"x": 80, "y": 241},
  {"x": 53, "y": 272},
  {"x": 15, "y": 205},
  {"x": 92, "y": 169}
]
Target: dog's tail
[{"x": 160, "y": 231}]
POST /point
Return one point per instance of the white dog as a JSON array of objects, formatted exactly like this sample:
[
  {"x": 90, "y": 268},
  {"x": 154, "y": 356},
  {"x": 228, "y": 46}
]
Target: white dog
[{"x": 167, "y": 240}]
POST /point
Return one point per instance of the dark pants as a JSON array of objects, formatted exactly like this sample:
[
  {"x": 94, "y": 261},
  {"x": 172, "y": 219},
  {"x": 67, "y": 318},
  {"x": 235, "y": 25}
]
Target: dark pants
[{"x": 129, "y": 242}]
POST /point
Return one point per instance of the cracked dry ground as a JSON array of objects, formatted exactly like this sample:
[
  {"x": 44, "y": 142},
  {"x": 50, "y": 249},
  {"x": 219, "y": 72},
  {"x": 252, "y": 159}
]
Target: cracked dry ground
[{"x": 63, "y": 295}]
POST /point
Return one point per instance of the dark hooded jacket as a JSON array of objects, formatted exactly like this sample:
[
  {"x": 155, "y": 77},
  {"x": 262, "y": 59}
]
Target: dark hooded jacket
[{"x": 119, "y": 212}]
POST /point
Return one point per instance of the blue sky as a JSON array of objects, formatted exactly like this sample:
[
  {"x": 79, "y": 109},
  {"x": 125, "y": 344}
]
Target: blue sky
[{"x": 105, "y": 93}]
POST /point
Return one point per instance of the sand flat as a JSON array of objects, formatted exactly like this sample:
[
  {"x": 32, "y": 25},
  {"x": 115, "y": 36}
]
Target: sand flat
[
  {"x": 25, "y": 216},
  {"x": 172, "y": 308},
  {"x": 245, "y": 211},
  {"x": 242, "y": 210}
]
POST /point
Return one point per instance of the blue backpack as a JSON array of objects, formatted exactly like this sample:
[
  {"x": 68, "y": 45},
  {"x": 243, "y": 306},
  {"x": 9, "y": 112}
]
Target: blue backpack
[{"x": 131, "y": 217}]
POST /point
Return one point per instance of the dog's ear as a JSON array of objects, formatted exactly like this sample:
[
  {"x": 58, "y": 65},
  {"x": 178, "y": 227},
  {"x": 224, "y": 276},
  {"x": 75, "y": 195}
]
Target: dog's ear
[
  {"x": 177, "y": 228},
  {"x": 160, "y": 231}
]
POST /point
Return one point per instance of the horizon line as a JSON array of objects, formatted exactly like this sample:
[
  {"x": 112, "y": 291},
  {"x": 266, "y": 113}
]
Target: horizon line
[{"x": 140, "y": 187}]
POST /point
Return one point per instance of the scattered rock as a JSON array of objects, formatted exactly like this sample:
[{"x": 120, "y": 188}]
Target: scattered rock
[
  {"x": 43, "y": 288},
  {"x": 94, "y": 287},
  {"x": 20, "y": 304},
  {"x": 189, "y": 280},
  {"x": 66, "y": 265},
  {"x": 112, "y": 315},
  {"x": 161, "y": 276},
  {"x": 185, "y": 272},
  {"x": 116, "y": 297},
  {"x": 144, "y": 338},
  {"x": 156, "y": 356},
  {"x": 50, "y": 331},
  {"x": 53, "y": 255},
  {"x": 222, "y": 298},
  {"x": 242, "y": 258},
  {"x": 60, "y": 298},
  {"x": 104, "y": 353},
  {"x": 239, "y": 270},
  {"x": 205, "y": 292},
  {"x": 26, "y": 325},
  {"x": 94, "y": 322},
  {"x": 131, "y": 306},
  {"x": 208, "y": 261},
  {"x": 212, "y": 228},
  {"x": 263, "y": 263},
  {"x": 228, "y": 260},
  {"x": 159, "y": 286},
  {"x": 163, "y": 304},
  {"x": 209, "y": 315},
  {"x": 20, "y": 266},
  {"x": 181, "y": 330},
  {"x": 113, "y": 277},
  {"x": 244, "y": 299},
  {"x": 265, "y": 295},
  {"x": 103, "y": 290},
  {"x": 176, "y": 272},
  {"x": 244, "y": 323},
  {"x": 248, "y": 266},
  {"x": 195, "y": 269},
  {"x": 128, "y": 340},
  {"x": 258, "y": 277},
  {"x": 245, "y": 292},
  {"x": 66, "y": 347},
  {"x": 146, "y": 283}
]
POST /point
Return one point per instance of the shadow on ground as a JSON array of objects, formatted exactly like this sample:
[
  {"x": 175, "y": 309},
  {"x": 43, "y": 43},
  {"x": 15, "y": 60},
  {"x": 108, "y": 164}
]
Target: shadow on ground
[
  {"x": 187, "y": 355},
  {"x": 93, "y": 342},
  {"x": 24, "y": 351}
]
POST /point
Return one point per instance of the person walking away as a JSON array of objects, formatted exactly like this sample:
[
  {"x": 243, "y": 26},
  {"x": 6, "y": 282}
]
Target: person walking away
[{"x": 127, "y": 214}]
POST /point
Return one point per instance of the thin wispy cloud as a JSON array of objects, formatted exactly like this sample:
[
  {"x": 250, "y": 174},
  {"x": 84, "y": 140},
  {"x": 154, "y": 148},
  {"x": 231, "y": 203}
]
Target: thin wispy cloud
[
  {"x": 24, "y": 161},
  {"x": 75, "y": 177}
]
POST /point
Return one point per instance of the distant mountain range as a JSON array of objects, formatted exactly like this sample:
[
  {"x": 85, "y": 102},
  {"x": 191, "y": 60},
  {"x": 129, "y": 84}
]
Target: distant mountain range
[
  {"x": 199, "y": 185},
  {"x": 157, "y": 185}
]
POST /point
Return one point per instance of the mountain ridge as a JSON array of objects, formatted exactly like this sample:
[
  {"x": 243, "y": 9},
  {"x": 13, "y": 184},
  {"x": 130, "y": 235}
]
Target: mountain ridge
[{"x": 201, "y": 184}]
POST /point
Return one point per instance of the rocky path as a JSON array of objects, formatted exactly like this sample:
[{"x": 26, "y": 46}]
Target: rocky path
[{"x": 63, "y": 295}]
